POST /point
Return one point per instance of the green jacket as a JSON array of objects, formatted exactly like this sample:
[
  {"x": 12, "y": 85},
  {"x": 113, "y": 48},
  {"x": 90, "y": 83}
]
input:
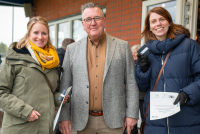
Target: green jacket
[{"x": 24, "y": 88}]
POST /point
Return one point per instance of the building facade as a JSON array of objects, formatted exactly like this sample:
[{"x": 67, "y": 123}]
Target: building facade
[{"x": 124, "y": 18}]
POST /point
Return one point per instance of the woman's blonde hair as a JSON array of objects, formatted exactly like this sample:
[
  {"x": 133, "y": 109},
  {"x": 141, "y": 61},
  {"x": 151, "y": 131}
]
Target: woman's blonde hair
[{"x": 32, "y": 21}]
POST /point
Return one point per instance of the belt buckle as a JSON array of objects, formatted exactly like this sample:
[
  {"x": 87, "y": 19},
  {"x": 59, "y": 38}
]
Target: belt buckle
[{"x": 96, "y": 113}]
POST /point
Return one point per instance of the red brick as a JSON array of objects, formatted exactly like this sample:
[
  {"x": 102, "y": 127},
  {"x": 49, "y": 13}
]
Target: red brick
[
  {"x": 128, "y": 11},
  {"x": 109, "y": 25},
  {"x": 117, "y": 14},
  {"x": 108, "y": 30},
  {"x": 126, "y": 27},
  {"x": 109, "y": 6},
  {"x": 103, "y": 3},
  {"x": 109, "y": 20},
  {"x": 136, "y": 15},
  {"x": 125, "y": 32},
  {"x": 69, "y": 12},
  {"x": 135, "y": 31},
  {"x": 136, "y": 20},
  {"x": 110, "y": 10},
  {"x": 70, "y": 5},
  {"x": 115, "y": 24},
  {"x": 135, "y": 42},
  {"x": 119, "y": 3},
  {"x": 135, "y": 4},
  {"x": 125, "y": 17},
  {"x": 127, "y": 1},
  {"x": 136, "y": 26},
  {"x": 110, "y": 15},
  {"x": 116, "y": 34},
  {"x": 135, "y": 37},
  {"x": 76, "y": 11},
  {"x": 115, "y": 29},
  {"x": 125, "y": 37},
  {"x": 117, "y": 19},
  {"x": 109, "y": 1},
  {"x": 117, "y": 9},
  {"x": 126, "y": 22},
  {"x": 126, "y": 6},
  {"x": 136, "y": 9},
  {"x": 116, "y": 0}
]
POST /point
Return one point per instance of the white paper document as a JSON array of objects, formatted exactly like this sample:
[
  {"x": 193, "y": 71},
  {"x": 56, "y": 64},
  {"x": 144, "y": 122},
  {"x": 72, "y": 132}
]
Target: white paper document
[
  {"x": 161, "y": 105},
  {"x": 58, "y": 112}
]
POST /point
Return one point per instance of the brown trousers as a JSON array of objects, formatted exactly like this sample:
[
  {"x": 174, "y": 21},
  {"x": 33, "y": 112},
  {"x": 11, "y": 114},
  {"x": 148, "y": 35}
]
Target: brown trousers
[{"x": 97, "y": 125}]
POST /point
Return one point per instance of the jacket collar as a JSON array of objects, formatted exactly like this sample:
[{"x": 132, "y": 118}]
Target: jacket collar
[
  {"x": 15, "y": 58},
  {"x": 163, "y": 47},
  {"x": 110, "y": 48}
]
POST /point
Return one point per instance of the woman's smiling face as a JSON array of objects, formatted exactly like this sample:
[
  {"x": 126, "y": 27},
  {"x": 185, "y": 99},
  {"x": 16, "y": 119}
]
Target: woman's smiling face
[
  {"x": 159, "y": 26},
  {"x": 39, "y": 35}
]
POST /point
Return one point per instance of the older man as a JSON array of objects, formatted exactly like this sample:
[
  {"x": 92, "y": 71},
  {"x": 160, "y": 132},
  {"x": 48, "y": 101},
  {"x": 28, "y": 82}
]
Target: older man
[{"x": 100, "y": 69}]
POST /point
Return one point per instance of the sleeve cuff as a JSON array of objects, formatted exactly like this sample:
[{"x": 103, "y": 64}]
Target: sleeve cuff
[{"x": 26, "y": 112}]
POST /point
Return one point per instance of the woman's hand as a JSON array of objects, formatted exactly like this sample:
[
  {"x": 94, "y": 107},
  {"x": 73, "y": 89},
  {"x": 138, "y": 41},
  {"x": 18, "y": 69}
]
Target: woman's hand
[
  {"x": 143, "y": 62},
  {"x": 182, "y": 98},
  {"x": 66, "y": 98},
  {"x": 34, "y": 116}
]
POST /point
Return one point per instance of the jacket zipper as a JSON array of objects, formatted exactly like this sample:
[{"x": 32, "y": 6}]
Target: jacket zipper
[{"x": 165, "y": 91}]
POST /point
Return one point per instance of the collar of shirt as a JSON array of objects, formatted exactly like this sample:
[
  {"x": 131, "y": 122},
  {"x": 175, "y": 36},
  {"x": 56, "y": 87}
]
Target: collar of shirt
[{"x": 100, "y": 42}]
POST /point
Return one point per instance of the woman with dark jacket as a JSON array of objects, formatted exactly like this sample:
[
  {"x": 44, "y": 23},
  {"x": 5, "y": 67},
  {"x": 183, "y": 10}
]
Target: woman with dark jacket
[
  {"x": 29, "y": 82},
  {"x": 61, "y": 51},
  {"x": 181, "y": 73}
]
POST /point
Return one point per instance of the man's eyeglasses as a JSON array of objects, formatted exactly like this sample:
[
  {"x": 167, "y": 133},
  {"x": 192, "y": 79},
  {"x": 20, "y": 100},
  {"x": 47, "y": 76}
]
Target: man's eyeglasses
[{"x": 96, "y": 19}]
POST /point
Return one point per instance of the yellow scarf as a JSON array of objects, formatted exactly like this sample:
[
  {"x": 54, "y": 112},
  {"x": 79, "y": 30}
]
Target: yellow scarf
[{"x": 48, "y": 59}]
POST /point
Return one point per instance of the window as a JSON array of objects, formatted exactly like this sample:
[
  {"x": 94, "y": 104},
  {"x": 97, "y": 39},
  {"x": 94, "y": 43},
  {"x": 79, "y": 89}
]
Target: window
[
  {"x": 13, "y": 24},
  {"x": 78, "y": 32},
  {"x": 52, "y": 34},
  {"x": 62, "y": 29},
  {"x": 63, "y": 32}
]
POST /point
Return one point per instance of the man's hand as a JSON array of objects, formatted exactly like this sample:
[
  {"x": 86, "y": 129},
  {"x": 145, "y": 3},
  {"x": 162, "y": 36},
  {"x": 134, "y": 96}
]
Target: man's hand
[
  {"x": 129, "y": 123},
  {"x": 34, "y": 116},
  {"x": 65, "y": 127},
  {"x": 66, "y": 98}
]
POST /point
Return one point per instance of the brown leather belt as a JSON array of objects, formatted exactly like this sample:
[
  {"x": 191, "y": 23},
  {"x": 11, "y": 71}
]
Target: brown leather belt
[{"x": 96, "y": 113}]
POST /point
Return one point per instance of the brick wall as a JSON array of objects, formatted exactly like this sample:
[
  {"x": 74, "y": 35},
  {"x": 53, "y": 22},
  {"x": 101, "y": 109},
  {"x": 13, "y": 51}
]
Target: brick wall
[{"x": 123, "y": 17}]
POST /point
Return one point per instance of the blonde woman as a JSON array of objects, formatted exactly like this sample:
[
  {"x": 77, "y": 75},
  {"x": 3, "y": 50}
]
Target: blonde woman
[{"x": 29, "y": 82}]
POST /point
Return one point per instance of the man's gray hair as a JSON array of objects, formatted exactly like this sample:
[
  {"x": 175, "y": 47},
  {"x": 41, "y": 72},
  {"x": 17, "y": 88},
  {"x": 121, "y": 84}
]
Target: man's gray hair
[{"x": 91, "y": 5}]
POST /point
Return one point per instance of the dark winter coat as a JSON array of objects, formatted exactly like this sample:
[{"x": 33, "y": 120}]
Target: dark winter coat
[
  {"x": 181, "y": 73},
  {"x": 61, "y": 55}
]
